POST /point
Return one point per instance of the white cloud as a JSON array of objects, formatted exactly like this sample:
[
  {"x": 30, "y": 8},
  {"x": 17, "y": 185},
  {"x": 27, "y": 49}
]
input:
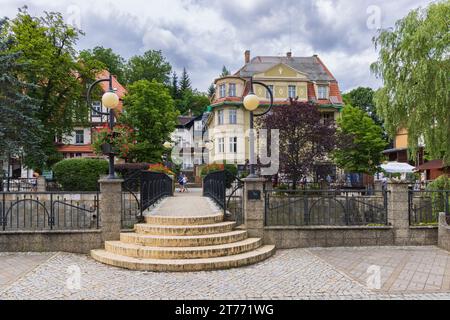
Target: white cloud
[{"x": 204, "y": 35}]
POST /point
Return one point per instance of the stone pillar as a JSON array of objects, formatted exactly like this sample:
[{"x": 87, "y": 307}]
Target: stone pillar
[
  {"x": 443, "y": 232},
  {"x": 398, "y": 213},
  {"x": 378, "y": 186},
  {"x": 254, "y": 206},
  {"x": 110, "y": 208},
  {"x": 41, "y": 184}
]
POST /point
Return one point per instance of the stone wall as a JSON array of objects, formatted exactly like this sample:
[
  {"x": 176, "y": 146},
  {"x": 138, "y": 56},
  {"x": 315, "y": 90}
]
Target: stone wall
[
  {"x": 78, "y": 241},
  {"x": 328, "y": 236},
  {"x": 444, "y": 232},
  {"x": 333, "y": 236}
]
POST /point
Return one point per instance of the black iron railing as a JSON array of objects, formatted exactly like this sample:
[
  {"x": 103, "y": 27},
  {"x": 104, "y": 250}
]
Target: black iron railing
[
  {"x": 325, "y": 207},
  {"x": 424, "y": 206},
  {"x": 227, "y": 192},
  {"x": 26, "y": 211},
  {"x": 131, "y": 204},
  {"x": 154, "y": 186},
  {"x": 214, "y": 187},
  {"x": 18, "y": 184}
]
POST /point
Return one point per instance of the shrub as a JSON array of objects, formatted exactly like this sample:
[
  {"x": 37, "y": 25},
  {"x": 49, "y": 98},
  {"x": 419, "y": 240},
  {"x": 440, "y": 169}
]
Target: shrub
[
  {"x": 439, "y": 200},
  {"x": 80, "y": 174}
]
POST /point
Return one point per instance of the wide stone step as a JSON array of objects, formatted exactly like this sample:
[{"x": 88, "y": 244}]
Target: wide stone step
[
  {"x": 184, "y": 230},
  {"x": 183, "y": 221},
  {"x": 183, "y": 241},
  {"x": 138, "y": 251},
  {"x": 180, "y": 265}
]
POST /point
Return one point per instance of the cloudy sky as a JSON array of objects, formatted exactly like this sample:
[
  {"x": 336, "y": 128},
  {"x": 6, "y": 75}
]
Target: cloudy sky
[{"x": 204, "y": 35}]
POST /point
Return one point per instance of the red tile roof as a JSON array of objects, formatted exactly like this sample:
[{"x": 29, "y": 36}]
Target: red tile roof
[{"x": 121, "y": 91}]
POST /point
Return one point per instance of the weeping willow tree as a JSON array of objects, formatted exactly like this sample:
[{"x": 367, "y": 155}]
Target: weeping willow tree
[{"x": 415, "y": 68}]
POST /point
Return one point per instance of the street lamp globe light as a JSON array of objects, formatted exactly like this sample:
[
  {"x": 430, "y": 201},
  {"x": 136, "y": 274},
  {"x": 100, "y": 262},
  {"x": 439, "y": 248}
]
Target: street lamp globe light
[
  {"x": 110, "y": 100},
  {"x": 251, "y": 102},
  {"x": 168, "y": 145}
]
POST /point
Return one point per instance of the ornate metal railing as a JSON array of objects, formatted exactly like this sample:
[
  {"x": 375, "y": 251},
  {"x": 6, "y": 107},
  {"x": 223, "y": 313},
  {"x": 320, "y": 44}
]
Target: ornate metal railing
[
  {"x": 424, "y": 206},
  {"x": 131, "y": 204},
  {"x": 325, "y": 207},
  {"x": 26, "y": 211},
  {"x": 227, "y": 192},
  {"x": 154, "y": 186},
  {"x": 18, "y": 184},
  {"x": 214, "y": 187}
]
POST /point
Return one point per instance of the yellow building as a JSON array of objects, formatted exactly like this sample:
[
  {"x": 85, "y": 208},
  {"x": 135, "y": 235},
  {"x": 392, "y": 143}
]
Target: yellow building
[{"x": 288, "y": 77}]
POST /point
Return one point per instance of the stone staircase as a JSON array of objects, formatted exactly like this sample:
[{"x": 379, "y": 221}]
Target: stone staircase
[{"x": 171, "y": 243}]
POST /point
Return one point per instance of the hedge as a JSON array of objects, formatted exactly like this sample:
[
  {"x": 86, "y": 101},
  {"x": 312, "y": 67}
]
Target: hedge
[{"x": 80, "y": 174}]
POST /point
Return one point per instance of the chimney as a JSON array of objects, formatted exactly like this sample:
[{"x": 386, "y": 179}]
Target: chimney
[
  {"x": 289, "y": 54},
  {"x": 247, "y": 56}
]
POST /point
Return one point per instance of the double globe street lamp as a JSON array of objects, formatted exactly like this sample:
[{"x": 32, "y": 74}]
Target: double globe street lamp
[
  {"x": 110, "y": 100},
  {"x": 251, "y": 103}
]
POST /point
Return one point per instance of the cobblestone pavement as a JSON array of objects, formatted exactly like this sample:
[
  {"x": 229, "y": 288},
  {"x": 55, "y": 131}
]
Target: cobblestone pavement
[
  {"x": 14, "y": 265},
  {"x": 402, "y": 269},
  {"x": 290, "y": 274}
]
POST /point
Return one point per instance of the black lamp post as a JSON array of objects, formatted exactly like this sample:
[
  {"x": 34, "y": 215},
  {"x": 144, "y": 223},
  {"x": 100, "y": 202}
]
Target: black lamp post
[
  {"x": 251, "y": 103},
  {"x": 110, "y": 100}
]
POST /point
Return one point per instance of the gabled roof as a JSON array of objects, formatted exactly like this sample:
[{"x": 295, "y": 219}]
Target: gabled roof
[
  {"x": 187, "y": 121},
  {"x": 311, "y": 66}
]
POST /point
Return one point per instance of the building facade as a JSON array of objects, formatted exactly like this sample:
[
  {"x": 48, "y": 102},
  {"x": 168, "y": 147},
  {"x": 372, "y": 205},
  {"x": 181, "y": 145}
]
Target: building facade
[
  {"x": 79, "y": 143},
  {"x": 305, "y": 78}
]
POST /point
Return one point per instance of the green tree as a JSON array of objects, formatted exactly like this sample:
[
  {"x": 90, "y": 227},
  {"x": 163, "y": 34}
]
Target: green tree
[
  {"x": 225, "y": 72},
  {"x": 362, "y": 98},
  {"x": 185, "y": 82},
  {"x": 211, "y": 90},
  {"x": 47, "y": 46},
  {"x": 414, "y": 65},
  {"x": 194, "y": 101},
  {"x": 20, "y": 129},
  {"x": 150, "y": 110},
  {"x": 174, "y": 88},
  {"x": 150, "y": 66},
  {"x": 113, "y": 62},
  {"x": 364, "y": 142}
]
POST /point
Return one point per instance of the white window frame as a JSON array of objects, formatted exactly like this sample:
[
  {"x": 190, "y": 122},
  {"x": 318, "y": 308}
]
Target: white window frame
[
  {"x": 222, "y": 90},
  {"x": 290, "y": 92},
  {"x": 221, "y": 145},
  {"x": 97, "y": 107},
  {"x": 233, "y": 144},
  {"x": 322, "y": 95},
  {"x": 232, "y": 90},
  {"x": 198, "y": 126},
  {"x": 220, "y": 117},
  {"x": 232, "y": 116},
  {"x": 78, "y": 135}
]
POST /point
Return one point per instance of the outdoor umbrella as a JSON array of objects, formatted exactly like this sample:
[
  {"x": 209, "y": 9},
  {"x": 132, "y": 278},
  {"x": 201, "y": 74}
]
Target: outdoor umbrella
[{"x": 397, "y": 167}]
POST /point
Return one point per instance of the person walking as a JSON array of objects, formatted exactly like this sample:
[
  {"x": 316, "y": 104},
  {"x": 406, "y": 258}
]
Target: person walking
[
  {"x": 185, "y": 182},
  {"x": 181, "y": 182}
]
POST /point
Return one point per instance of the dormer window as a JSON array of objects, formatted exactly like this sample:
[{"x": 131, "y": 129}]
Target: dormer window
[
  {"x": 322, "y": 92},
  {"x": 232, "y": 90},
  {"x": 292, "y": 92},
  {"x": 267, "y": 92},
  {"x": 222, "y": 90}
]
